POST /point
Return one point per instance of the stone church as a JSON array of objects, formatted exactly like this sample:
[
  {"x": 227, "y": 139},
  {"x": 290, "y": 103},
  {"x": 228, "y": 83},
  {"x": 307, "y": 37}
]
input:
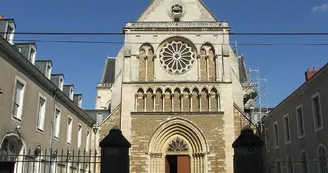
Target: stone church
[{"x": 176, "y": 91}]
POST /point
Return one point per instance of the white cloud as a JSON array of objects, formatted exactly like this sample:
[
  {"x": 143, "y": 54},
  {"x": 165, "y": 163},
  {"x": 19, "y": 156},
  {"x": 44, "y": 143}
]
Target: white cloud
[{"x": 321, "y": 8}]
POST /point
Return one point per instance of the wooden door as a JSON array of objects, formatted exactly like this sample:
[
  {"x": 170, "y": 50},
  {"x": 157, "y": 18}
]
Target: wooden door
[
  {"x": 167, "y": 165},
  {"x": 183, "y": 164}
]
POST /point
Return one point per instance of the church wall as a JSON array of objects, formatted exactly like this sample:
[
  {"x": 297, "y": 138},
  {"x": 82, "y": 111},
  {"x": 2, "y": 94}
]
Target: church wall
[
  {"x": 240, "y": 122},
  {"x": 113, "y": 120},
  {"x": 160, "y": 74},
  {"x": 218, "y": 128},
  {"x": 143, "y": 127},
  {"x": 104, "y": 94},
  {"x": 237, "y": 91}
]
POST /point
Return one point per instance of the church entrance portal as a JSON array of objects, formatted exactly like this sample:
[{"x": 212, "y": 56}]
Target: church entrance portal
[{"x": 177, "y": 164}]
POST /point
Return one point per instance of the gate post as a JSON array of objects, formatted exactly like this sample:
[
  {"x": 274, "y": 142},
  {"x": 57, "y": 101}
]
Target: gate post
[
  {"x": 115, "y": 152},
  {"x": 248, "y": 153}
]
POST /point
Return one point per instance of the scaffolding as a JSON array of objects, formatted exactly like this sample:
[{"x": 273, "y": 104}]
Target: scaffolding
[{"x": 256, "y": 97}]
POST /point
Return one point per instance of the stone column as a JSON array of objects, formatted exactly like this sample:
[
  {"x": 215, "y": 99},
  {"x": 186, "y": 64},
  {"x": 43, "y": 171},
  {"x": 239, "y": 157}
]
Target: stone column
[
  {"x": 146, "y": 67},
  {"x": 199, "y": 96},
  {"x": 154, "y": 102},
  {"x": 207, "y": 69},
  {"x": 198, "y": 67},
  {"x": 154, "y": 70},
  {"x": 145, "y": 102},
  {"x": 218, "y": 101},
  {"x": 181, "y": 102},
  {"x": 190, "y": 102},
  {"x": 209, "y": 97},
  {"x": 136, "y": 102},
  {"x": 172, "y": 102}
]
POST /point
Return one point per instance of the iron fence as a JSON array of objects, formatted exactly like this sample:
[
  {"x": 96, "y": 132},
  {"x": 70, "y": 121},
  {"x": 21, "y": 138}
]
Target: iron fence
[
  {"x": 57, "y": 161},
  {"x": 304, "y": 163}
]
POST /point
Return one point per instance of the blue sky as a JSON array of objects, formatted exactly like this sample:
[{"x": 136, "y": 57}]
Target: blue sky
[{"x": 82, "y": 64}]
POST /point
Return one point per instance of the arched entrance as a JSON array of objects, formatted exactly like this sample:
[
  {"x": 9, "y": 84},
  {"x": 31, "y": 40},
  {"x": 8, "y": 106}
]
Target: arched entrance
[
  {"x": 177, "y": 146},
  {"x": 11, "y": 149}
]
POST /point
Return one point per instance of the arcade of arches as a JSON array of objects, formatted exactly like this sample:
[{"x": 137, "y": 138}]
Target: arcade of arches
[{"x": 177, "y": 100}]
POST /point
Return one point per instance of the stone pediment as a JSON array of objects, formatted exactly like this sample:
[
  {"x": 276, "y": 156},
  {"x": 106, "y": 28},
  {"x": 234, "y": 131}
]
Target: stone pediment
[{"x": 169, "y": 10}]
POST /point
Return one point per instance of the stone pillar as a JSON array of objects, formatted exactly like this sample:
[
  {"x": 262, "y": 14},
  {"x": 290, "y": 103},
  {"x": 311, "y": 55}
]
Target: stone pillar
[{"x": 115, "y": 152}]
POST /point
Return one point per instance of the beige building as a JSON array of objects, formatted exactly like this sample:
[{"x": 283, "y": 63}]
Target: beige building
[
  {"x": 176, "y": 90},
  {"x": 38, "y": 111},
  {"x": 295, "y": 132}
]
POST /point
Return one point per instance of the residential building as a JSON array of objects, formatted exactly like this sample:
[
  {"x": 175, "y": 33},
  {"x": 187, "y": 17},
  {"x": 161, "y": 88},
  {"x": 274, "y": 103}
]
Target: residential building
[
  {"x": 295, "y": 132},
  {"x": 38, "y": 111},
  {"x": 175, "y": 89}
]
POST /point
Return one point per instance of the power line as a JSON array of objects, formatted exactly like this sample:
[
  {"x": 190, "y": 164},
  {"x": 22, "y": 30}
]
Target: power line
[
  {"x": 187, "y": 33},
  {"x": 121, "y": 42}
]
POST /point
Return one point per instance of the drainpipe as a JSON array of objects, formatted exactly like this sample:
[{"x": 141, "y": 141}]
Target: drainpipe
[{"x": 52, "y": 127}]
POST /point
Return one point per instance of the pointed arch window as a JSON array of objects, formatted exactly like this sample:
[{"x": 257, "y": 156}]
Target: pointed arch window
[
  {"x": 290, "y": 165},
  {"x": 304, "y": 163},
  {"x": 323, "y": 168}
]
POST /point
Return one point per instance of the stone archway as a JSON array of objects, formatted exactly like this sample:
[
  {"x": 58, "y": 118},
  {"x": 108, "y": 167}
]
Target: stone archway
[
  {"x": 178, "y": 139},
  {"x": 12, "y": 147}
]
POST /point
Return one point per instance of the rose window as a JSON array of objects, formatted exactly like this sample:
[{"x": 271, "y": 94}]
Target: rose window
[{"x": 177, "y": 57}]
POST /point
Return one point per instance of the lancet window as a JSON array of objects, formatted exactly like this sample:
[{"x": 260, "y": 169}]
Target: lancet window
[
  {"x": 207, "y": 63},
  {"x": 146, "y": 63}
]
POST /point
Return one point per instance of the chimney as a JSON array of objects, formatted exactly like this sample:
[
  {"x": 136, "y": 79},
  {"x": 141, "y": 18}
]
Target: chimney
[{"x": 309, "y": 73}]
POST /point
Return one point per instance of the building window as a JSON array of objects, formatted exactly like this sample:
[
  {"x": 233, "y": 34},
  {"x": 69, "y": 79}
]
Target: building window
[
  {"x": 267, "y": 140},
  {"x": 9, "y": 33},
  {"x": 32, "y": 55},
  {"x": 304, "y": 163},
  {"x": 316, "y": 108},
  {"x": 287, "y": 129},
  {"x": 79, "y": 136},
  {"x": 18, "y": 100},
  {"x": 87, "y": 143},
  {"x": 61, "y": 84},
  {"x": 41, "y": 113},
  {"x": 48, "y": 71},
  {"x": 72, "y": 93},
  {"x": 300, "y": 121},
  {"x": 57, "y": 124},
  {"x": 69, "y": 130},
  {"x": 276, "y": 135},
  {"x": 322, "y": 160},
  {"x": 290, "y": 165}
]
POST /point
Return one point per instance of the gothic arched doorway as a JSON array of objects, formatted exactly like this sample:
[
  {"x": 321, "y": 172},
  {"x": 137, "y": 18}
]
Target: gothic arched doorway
[
  {"x": 177, "y": 146},
  {"x": 11, "y": 147}
]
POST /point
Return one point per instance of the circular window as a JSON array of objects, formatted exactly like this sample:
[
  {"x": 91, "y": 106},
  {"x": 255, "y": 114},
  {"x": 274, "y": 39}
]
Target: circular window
[{"x": 177, "y": 57}]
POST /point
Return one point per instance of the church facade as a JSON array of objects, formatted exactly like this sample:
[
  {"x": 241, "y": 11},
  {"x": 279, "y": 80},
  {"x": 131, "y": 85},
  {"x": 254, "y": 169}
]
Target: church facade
[{"x": 176, "y": 90}]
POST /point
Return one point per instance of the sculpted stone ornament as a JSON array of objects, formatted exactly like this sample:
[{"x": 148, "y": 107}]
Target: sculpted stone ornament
[
  {"x": 177, "y": 145},
  {"x": 177, "y": 9}
]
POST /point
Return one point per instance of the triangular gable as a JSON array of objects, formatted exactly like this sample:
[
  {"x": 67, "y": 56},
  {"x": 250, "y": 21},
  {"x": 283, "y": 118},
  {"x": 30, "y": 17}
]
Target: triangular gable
[{"x": 160, "y": 11}]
